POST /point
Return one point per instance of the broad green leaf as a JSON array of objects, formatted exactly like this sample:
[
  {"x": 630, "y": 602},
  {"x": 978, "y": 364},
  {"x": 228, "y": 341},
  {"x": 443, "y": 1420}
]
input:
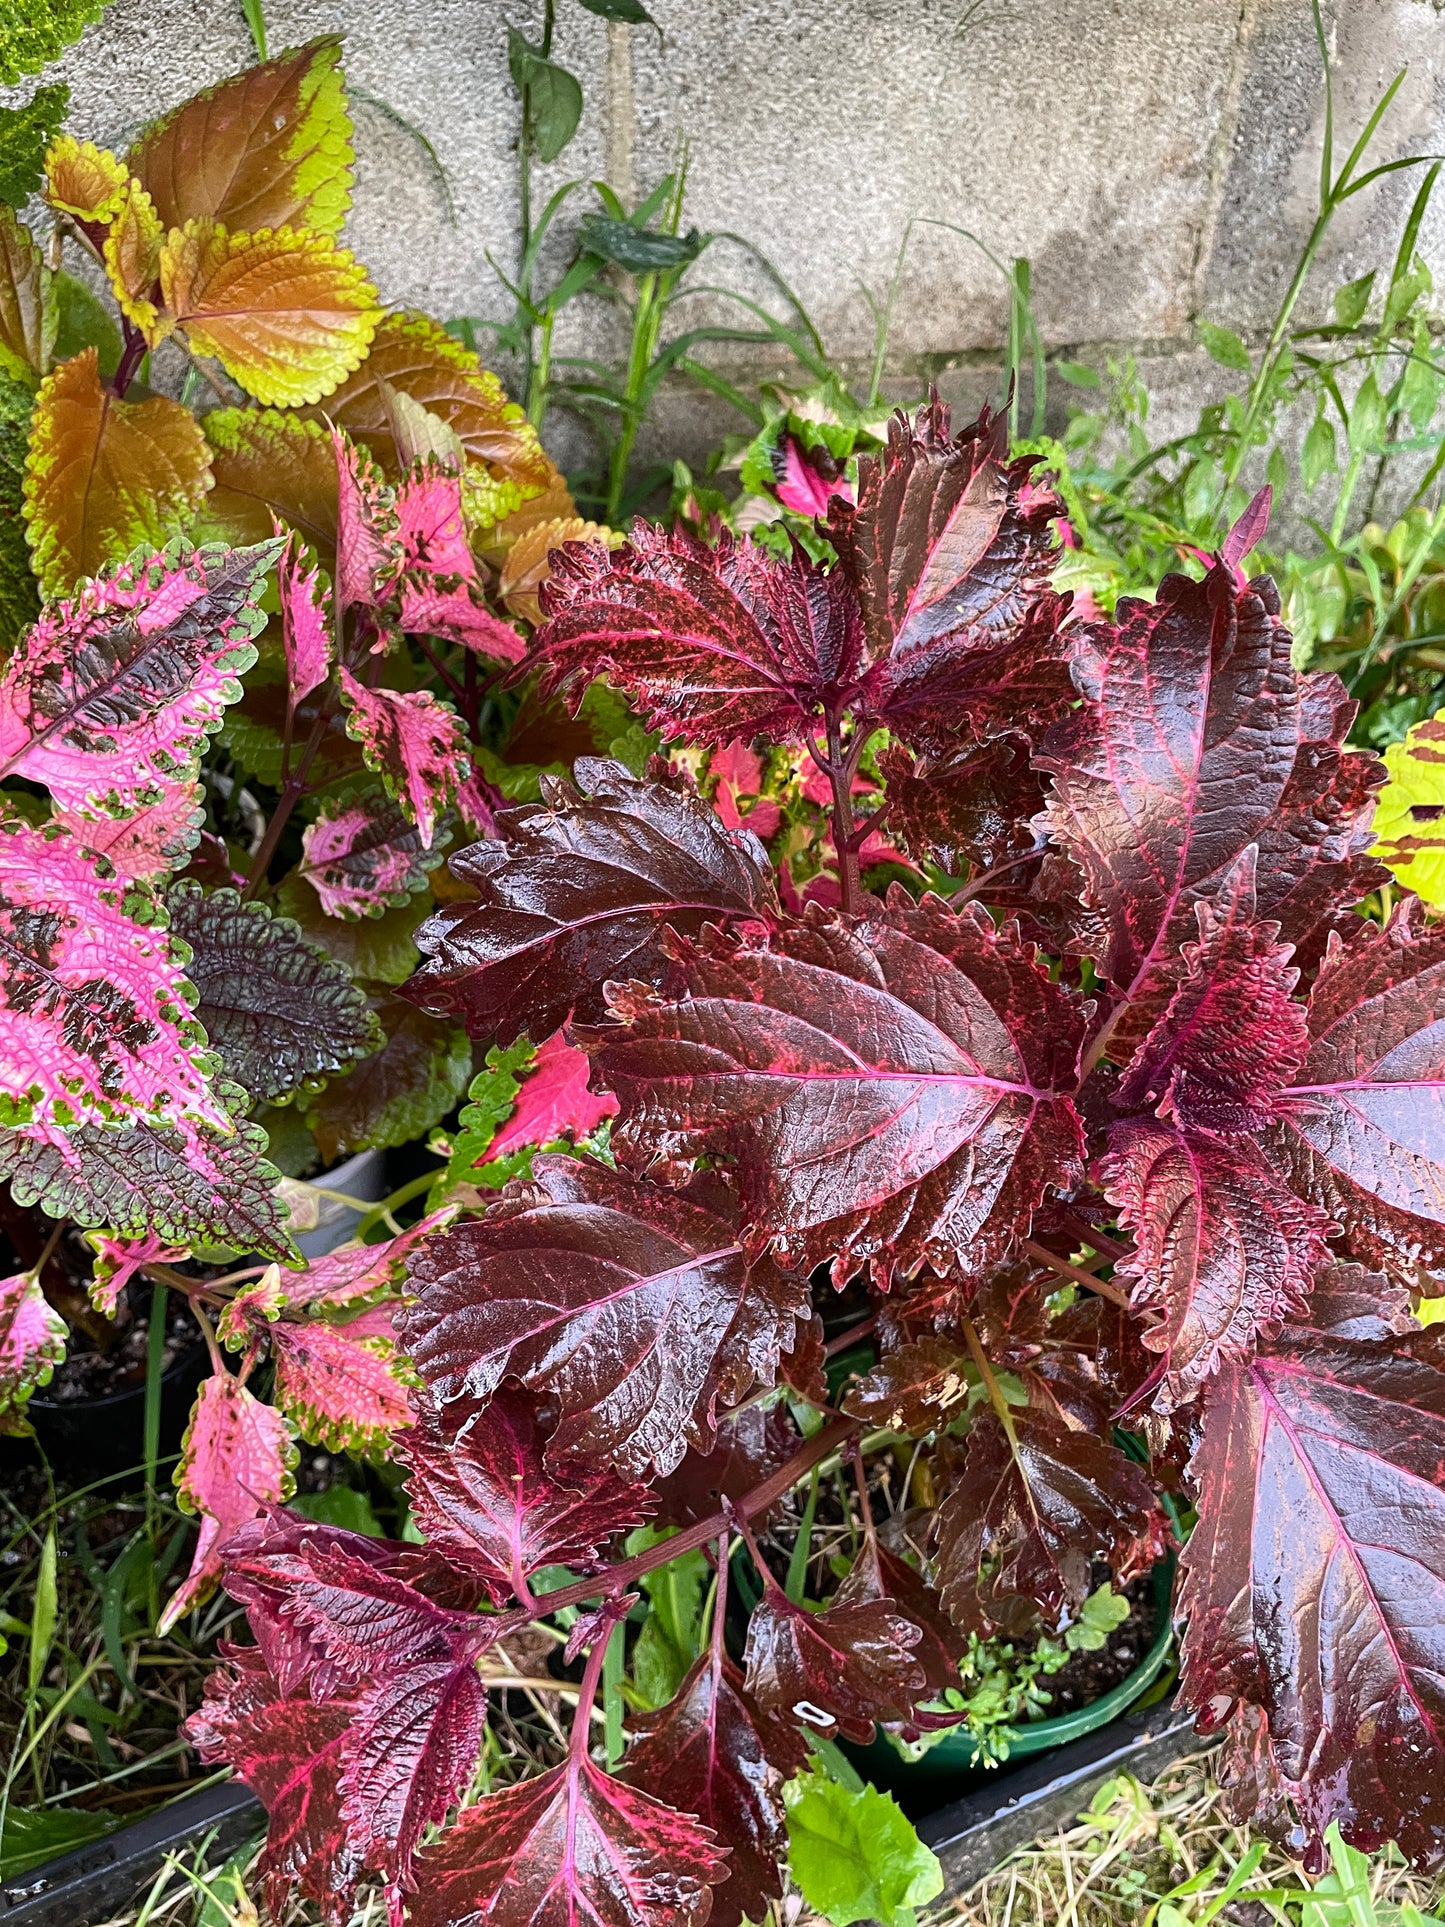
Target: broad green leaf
[
  {"x": 34, "y": 1835},
  {"x": 1353, "y": 299},
  {"x": 340, "y": 1505},
  {"x": 398, "y": 1093},
  {"x": 83, "y": 321},
  {"x": 1317, "y": 457},
  {"x": 286, "y": 312},
  {"x": 268, "y": 148},
  {"x": 1422, "y": 381},
  {"x": 1077, "y": 374},
  {"x": 106, "y": 476},
  {"x": 1224, "y": 346},
  {"x": 378, "y": 948},
  {"x": 1369, "y": 419},
  {"x": 1410, "y": 815},
  {"x": 25, "y": 133},
  {"x": 553, "y": 96},
  {"x": 39, "y": 31},
  {"x": 855, "y": 1856}
]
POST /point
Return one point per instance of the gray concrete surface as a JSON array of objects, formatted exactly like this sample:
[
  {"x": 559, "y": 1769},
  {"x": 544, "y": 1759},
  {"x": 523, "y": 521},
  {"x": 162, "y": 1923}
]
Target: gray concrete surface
[{"x": 1155, "y": 159}]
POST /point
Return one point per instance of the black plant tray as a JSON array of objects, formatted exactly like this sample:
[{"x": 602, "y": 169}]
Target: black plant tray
[{"x": 970, "y": 1836}]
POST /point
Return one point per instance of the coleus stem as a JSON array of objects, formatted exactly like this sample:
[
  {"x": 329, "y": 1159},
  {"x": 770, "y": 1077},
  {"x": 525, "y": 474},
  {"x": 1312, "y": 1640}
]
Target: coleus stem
[{"x": 292, "y": 791}]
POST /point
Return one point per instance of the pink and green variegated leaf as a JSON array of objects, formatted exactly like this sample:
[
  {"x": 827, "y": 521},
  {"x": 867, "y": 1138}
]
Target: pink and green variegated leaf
[
  {"x": 358, "y": 1274},
  {"x": 95, "y": 1025},
  {"x": 455, "y": 614},
  {"x": 573, "y": 1845},
  {"x": 554, "y": 1098},
  {"x": 109, "y": 699},
  {"x": 235, "y": 1462},
  {"x": 32, "y": 1344},
  {"x": 431, "y": 525},
  {"x": 1223, "y": 1249},
  {"x": 190, "y": 1184},
  {"x": 361, "y": 856},
  {"x": 255, "y": 1306},
  {"x": 493, "y": 1507},
  {"x": 305, "y": 621},
  {"x": 338, "y": 1384},
  {"x": 117, "y": 1260},
  {"x": 368, "y": 548},
  {"x": 416, "y": 744},
  {"x": 1233, "y": 1035},
  {"x": 151, "y": 841}
]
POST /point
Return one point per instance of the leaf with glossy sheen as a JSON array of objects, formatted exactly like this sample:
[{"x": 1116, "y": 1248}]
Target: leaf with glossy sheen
[
  {"x": 149, "y": 843},
  {"x": 190, "y": 1184},
  {"x": 275, "y": 1007},
  {"x": 711, "y": 642},
  {"x": 286, "y": 312},
  {"x": 415, "y": 355},
  {"x": 876, "y": 1577},
  {"x": 712, "y": 1752},
  {"x": 396, "y": 1093},
  {"x": 235, "y": 1462},
  {"x": 1024, "y": 1518},
  {"x": 835, "y": 1672},
  {"x": 32, "y": 1344},
  {"x": 105, "y": 476},
  {"x": 632, "y": 1306},
  {"x": 572, "y": 1845},
  {"x": 486, "y": 1499},
  {"x": 554, "y": 1098},
  {"x": 270, "y": 147},
  {"x": 1364, "y": 1131},
  {"x": 855, "y": 1856},
  {"x": 362, "y": 856},
  {"x": 1223, "y": 1250},
  {"x": 752, "y": 1443},
  {"x": 1195, "y": 739},
  {"x": 1314, "y": 1580},
  {"x": 355, "y": 1275},
  {"x": 1233, "y": 1035},
  {"x": 415, "y": 743},
  {"x": 875, "y": 1088},
  {"x": 973, "y": 809},
  {"x": 269, "y": 464},
  {"x": 919, "y": 1387},
  {"x": 108, "y": 700},
  {"x": 27, "y": 303},
  {"x": 578, "y": 890}
]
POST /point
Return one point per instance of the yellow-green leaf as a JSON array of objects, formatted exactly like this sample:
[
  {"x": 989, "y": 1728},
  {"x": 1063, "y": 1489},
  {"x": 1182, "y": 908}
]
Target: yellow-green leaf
[
  {"x": 286, "y": 312},
  {"x": 27, "y": 303},
  {"x": 132, "y": 260},
  {"x": 268, "y": 148},
  {"x": 267, "y": 462},
  {"x": 85, "y": 180},
  {"x": 1410, "y": 816},
  {"x": 104, "y": 475}
]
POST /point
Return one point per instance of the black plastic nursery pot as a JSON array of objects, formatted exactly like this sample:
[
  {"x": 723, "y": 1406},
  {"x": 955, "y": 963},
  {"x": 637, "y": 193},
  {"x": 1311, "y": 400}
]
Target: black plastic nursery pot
[{"x": 93, "y": 1438}]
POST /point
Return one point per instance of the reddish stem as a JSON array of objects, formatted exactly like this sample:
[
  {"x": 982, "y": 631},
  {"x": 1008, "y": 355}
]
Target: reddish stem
[
  {"x": 860, "y": 1476},
  {"x": 587, "y": 1695},
  {"x": 292, "y": 792},
  {"x": 131, "y": 357},
  {"x": 840, "y": 769}
]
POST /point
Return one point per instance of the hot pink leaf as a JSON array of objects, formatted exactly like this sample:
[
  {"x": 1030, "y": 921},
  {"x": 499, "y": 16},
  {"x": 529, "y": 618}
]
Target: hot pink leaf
[
  {"x": 305, "y": 622},
  {"x": 109, "y": 698},
  {"x": 804, "y": 488},
  {"x": 457, "y": 616},
  {"x": 490, "y": 1504},
  {"x": 94, "y": 1024},
  {"x": 571, "y": 1846},
  {"x": 368, "y": 547},
  {"x": 738, "y": 773},
  {"x": 554, "y": 1098},
  {"x": 341, "y": 1280},
  {"x": 32, "y": 1344},
  {"x": 431, "y": 524},
  {"x": 634, "y": 1307},
  {"x": 362, "y": 856},
  {"x": 1223, "y": 1250},
  {"x": 416, "y": 744},
  {"x": 338, "y": 1383},
  {"x": 1249, "y": 531},
  {"x": 117, "y": 1260},
  {"x": 148, "y": 844},
  {"x": 234, "y": 1464}
]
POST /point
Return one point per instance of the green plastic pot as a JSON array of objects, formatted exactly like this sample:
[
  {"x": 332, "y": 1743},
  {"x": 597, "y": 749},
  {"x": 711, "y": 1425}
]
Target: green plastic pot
[{"x": 958, "y": 1752}]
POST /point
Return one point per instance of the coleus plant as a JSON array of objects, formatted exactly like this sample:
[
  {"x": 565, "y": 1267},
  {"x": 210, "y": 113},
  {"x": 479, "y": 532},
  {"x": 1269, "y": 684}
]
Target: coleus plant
[{"x": 1113, "y": 1122}]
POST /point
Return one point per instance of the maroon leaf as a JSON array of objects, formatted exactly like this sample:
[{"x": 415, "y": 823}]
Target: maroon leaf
[
  {"x": 752, "y": 1444},
  {"x": 967, "y": 686},
  {"x": 715, "y": 1754},
  {"x": 579, "y": 891},
  {"x": 1223, "y": 1250},
  {"x": 487, "y": 1500},
  {"x": 1314, "y": 1583},
  {"x": 1232, "y": 1036},
  {"x": 875, "y": 1087},
  {"x": 714, "y": 643},
  {"x": 876, "y": 1577},
  {"x": 1027, "y": 1513},
  {"x": 917, "y": 1388},
  {"x": 632, "y": 1306},
  {"x": 1365, "y": 1124},
  {"x": 1350, "y": 1302},
  {"x": 1248, "y": 532},
  {"x": 836, "y": 1671},
  {"x": 971, "y": 810},
  {"x": 571, "y": 1846}
]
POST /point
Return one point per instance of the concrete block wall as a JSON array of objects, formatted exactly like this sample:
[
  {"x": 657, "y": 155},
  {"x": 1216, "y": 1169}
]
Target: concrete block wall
[{"x": 1155, "y": 159}]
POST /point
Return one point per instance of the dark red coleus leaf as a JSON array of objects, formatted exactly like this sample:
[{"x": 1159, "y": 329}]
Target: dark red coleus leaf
[
  {"x": 1315, "y": 1581},
  {"x": 572, "y": 1846},
  {"x": 1027, "y": 1511},
  {"x": 971, "y": 810},
  {"x": 875, "y": 1087},
  {"x": 1195, "y": 739},
  {"x": 1223, "y": 1249},
  {"x": 1350, "y": 1302},
  {"x": 971, "y": 687},
  {"x": 712, "y": 1752},
  {"x": 1364, "y": 1130},
  {"x": 486, "y": 1500},
  {"x": 837, "y": 1672},
  {"x": 288, "y": 1751},
  {"x": 712, "y": 642},
  {"x": 919, "y": 1387},
  {"x": 577, "y": 891},
  {"x": 752, "y": 1443},
  {"x": 635, "y": 1308},
  {"x": 876, "y": 1576},
  {"x": 1232, "y": 1036}
]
